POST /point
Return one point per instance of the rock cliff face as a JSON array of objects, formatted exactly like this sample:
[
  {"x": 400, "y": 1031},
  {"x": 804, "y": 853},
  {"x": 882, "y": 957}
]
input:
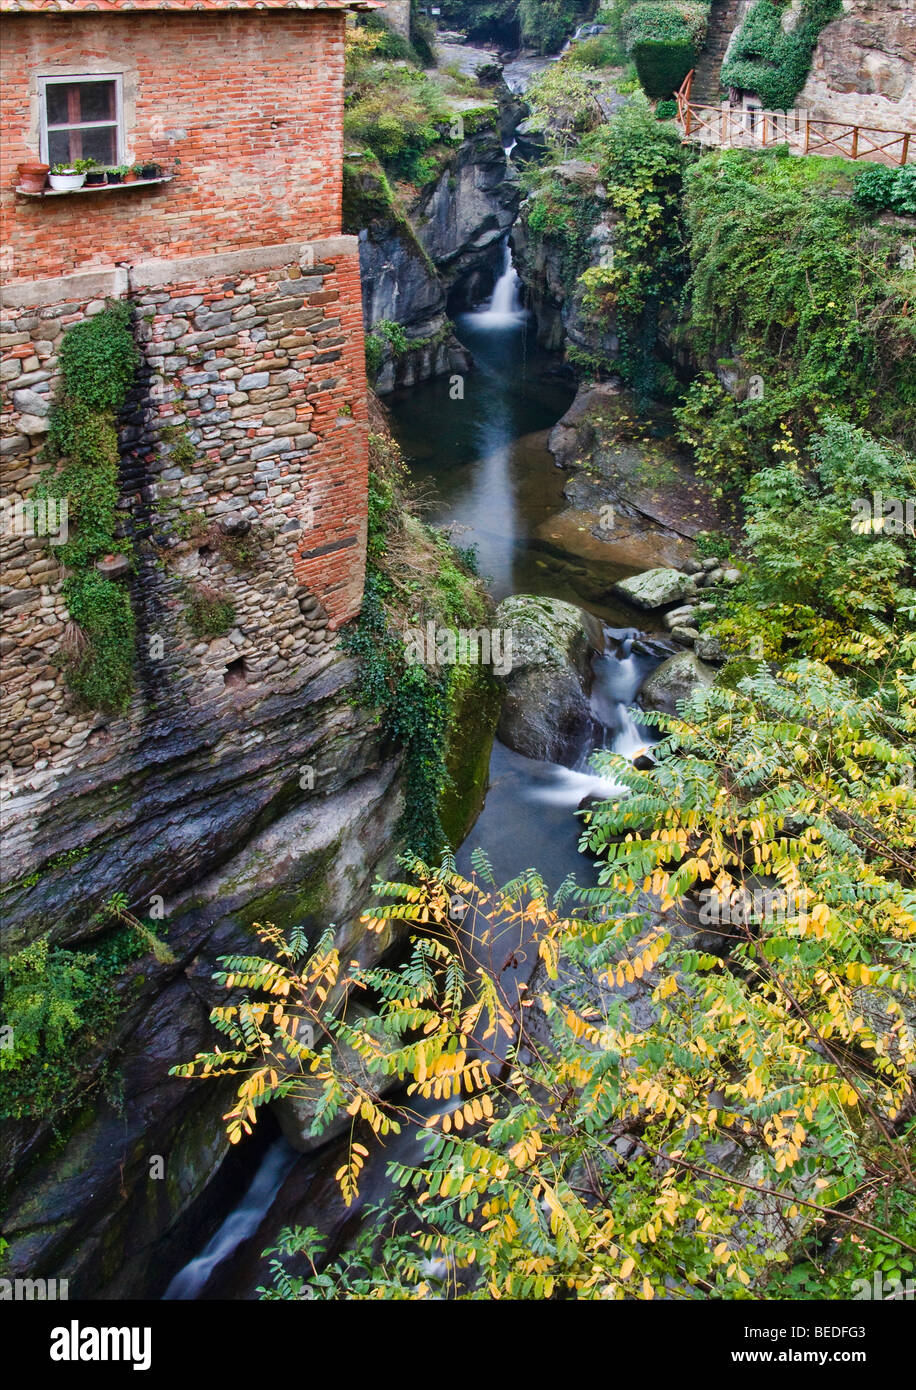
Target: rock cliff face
[
  {"x": 541, "y": 260},
  {"x": 463, "y": 218},
  {"x": 289, "y": 807},
  {"x": 445, "y": 242},
  {"x": 401, "y": 286},
  {"x": 864, "y": 67}
]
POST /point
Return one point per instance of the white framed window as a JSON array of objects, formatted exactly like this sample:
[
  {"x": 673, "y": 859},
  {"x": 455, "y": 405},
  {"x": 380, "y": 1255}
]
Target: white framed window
[{"x": 81, "y": 117}]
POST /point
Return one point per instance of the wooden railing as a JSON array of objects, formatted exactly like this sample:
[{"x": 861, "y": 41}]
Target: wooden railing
[{"x": 753, "y": 128}]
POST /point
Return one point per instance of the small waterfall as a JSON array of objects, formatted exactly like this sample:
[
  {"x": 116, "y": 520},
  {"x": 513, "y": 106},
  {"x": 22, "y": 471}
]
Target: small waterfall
[
  {"x": 241, "y": 1223},
  {"x": 505, "y": 308},
  {"x": 629, "y": 740}
]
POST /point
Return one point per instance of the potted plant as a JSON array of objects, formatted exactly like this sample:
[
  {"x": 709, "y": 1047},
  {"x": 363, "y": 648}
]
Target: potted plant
[
  {"x": 32, "y": 175},
  {"x": 149, "y": 169},
  {"x": 130, "y": 173},
  {"x": 95, "y": 174},
  {"x": 66, "y": 178},
  {"x": 113, "y": 566},
  {"x": 117, "y": 173}
]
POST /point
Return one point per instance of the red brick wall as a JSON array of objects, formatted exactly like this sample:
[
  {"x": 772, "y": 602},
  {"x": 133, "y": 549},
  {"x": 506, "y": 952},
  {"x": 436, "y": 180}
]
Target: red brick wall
[{"x": 251, "y": 102}]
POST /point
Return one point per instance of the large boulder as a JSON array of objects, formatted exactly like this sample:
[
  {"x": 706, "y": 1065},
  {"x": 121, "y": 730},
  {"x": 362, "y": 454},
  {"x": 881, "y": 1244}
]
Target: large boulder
[
  {"x": 674, "y": 681},
  {"x": 655, "y": 588},
  {"x": 546, "y": 709}
]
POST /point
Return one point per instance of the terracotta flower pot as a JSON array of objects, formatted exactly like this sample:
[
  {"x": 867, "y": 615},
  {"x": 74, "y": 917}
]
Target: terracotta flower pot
[
  {"x": 130, "y": 177},
  {"x": 32, "y": 175}
]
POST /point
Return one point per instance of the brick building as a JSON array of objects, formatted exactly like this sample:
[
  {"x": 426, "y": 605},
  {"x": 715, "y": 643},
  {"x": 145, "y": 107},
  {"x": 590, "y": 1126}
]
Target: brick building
[{"x": 247, "y": 315}]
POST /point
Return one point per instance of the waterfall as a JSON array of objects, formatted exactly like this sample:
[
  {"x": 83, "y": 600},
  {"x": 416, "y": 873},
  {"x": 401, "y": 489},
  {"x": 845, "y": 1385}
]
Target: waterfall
[
  {"x": 629, "y": 739},
  {"x": 505, "y": 308},
  {"x": 241, "y": 1223}
]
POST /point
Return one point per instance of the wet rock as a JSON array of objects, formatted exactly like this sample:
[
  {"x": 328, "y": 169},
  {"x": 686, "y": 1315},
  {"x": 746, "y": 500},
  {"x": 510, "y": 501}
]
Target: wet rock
[
  {"x": 673, "y": 682},
  {"x": 679, "y": 617},
  {"x": 654, "y": 588},
  {"x": 546, "y": 706},
  {"x": 709, "y": 648}
]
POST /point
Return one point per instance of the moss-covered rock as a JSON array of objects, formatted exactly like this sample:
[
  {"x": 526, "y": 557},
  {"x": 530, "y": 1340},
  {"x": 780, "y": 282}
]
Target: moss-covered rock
[
  {"x": 546, "y": 708},
  {"x": 473, "y": 715}
]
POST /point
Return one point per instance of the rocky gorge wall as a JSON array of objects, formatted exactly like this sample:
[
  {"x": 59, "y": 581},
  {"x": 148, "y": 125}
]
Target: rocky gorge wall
[
  {"x": 105, "y": 1196},
  {"x": 440, "y": 249},
  {"x": 240, "y": 769},
  {"x": 864, "y": 66}
]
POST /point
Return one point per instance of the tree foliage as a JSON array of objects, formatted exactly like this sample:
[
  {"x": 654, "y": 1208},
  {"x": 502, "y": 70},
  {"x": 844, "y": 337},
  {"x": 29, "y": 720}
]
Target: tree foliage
[
  {"x": 830, "y": 575},
  {"x": 813, "y": 296},
  {"x": 671, "y": 1110}
]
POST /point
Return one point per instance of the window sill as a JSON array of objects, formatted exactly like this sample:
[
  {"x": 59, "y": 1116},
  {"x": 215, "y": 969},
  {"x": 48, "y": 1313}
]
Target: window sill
[{"x": 94, "y": 188}]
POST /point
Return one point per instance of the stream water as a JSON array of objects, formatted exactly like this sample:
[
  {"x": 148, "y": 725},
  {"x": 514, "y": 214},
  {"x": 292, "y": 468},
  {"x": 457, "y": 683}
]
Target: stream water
[{"x": 482, "y": 468}]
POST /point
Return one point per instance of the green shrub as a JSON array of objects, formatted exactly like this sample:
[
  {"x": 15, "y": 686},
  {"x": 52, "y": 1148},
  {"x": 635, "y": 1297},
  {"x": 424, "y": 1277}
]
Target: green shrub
[
  {"x": 787, "y": 277},
  {"x": 880, "y": 189},
  {"x": 385, "y": 331},
  {"x": 44, "y": 990},
  {"x": 663, "y": 40},
  {"x": 641, "y": 164},
  {"x": 903, "y": 195},
  {"x": 666, "y": 110},
  {"x": 98, "y": 359},
  {"x": 771, "y": 63},
  {"x": 100, "y": 669},
  {"x": 208, "y": 614},
  {"x": 602, "y": 51},
  {"x": 399, "y": 114},
  {"x": 874, "y": 186},
  {"x": 58, "y": 1003},
  {"x": 563, "y": 102},
  {"x": 375, "y": 356},
  {"x": 814, "y": 579},
  {"x": 390, "y": 44}
]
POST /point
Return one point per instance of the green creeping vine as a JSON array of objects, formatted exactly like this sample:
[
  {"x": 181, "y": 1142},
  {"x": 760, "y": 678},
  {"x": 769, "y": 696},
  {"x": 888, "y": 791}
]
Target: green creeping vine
[
  {"x": 414, "y": 707},
  {"x": 774, "y": 64},
  {"x": 98, "y": 362}
]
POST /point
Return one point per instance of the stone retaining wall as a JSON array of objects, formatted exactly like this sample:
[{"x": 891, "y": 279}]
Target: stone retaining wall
[{"x": 249, "y": 415}]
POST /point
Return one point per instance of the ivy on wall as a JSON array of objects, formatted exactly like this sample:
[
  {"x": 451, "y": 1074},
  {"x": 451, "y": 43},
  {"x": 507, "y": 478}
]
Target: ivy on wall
[
  {"x": 412, "y": 575},
  {"x": 98, "y": 361},
  {"x": 771, "y": 61}
]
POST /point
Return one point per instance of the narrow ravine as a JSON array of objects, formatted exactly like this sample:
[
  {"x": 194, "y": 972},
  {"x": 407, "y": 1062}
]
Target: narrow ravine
[{"x": 478, "y": 457}]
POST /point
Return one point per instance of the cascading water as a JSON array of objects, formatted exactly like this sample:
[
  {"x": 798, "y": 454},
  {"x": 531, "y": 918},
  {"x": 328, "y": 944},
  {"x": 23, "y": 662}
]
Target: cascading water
[
  {"x": 190, "y": 1281},
  {"x": 615, "y": 728},
  {"x": 505, "y": 308}
]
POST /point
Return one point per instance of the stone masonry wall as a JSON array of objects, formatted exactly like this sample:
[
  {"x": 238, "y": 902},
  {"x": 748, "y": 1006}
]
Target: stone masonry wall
[
  {"x": 251, "y": 102},
  {"x": 255, "y": 361}
]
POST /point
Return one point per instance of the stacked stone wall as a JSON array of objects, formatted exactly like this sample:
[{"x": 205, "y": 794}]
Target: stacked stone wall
[{"x": 247, "y": 431}]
